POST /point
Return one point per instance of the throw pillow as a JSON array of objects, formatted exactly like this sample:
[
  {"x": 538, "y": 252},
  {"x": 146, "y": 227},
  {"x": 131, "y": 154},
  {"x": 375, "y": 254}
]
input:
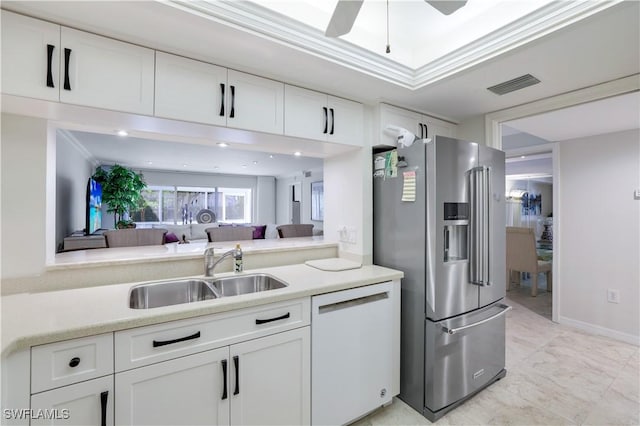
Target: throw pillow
[
  {"x": 170, "y": 238},
  {"x": 258, "y": 232}
]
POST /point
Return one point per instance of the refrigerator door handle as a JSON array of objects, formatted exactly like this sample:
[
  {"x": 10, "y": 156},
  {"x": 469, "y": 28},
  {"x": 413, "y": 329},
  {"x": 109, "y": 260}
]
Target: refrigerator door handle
[
  {"x": 505, "y": 309},
  {"x": 479, "y": 197}
]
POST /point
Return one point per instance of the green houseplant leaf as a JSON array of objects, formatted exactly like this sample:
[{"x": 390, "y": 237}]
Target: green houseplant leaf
[{"x": 121, "y": 190}]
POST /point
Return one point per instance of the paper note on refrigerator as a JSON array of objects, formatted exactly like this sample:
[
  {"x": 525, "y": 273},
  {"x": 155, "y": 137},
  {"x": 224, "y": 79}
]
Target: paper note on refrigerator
[{"x": 409, "y": 186}]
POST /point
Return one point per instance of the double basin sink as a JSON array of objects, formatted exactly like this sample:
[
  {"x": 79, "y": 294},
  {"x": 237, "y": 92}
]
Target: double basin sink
[{"x": 174, "y": 292}]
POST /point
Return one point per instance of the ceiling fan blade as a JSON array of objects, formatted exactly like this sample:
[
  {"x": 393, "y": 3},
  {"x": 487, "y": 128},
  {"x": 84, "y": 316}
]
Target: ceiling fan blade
[
  {"x": 343, "y": 17},
  {"x": 447, "y": 7}
]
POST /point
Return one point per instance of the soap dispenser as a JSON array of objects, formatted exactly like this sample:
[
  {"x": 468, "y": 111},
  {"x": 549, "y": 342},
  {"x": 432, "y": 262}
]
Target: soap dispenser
[{"x": 237, "y": 256}]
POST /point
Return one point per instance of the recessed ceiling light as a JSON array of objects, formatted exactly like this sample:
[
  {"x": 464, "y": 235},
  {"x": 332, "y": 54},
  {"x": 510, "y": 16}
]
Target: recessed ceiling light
[
  {"x": 184, "y": 165},
  {"x": 149, "y": 162},
  {"x": 271, "y": 156},
  {"x": 122, "y": 133},
  {"x": 297, "y": 153},
  {"x": 523, "y": 156},
  {"x": 255, "y": 162},
  {"x": 222, "y": 145}
]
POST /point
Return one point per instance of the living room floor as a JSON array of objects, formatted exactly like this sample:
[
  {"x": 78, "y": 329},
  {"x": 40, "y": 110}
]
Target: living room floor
[{"x": 555, "y": 375}]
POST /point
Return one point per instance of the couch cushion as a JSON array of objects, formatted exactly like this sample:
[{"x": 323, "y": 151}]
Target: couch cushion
[
  {"x": 171, "y": 238},
  {"x": 198, "y": 230}
]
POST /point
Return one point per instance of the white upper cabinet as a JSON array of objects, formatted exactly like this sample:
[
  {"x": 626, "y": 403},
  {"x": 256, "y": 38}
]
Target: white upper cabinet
[
  {"x": 347, "y": 121},
  {"x": 254, "y": 103},
  {"x": 314, "y": 115},
  {"x": 104, "y": 73},
  {"x": 190, "y": 90},
  {"x": 30, "y": 57},
  {"x": 423, "y": 126}
]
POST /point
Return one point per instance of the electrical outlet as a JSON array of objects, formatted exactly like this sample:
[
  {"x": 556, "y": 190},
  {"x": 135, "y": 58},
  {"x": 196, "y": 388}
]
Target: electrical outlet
[{"x": 613, "y": 296}]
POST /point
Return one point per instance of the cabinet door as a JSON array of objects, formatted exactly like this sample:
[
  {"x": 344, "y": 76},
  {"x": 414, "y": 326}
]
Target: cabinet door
[
  {"x": 86, "y": 403},
  {"x": 306, "y": 114},
  {"x": 106, "y": 73},
  {"x": 30, "y": 57},
  {"x": 398, "y": 117},
  {"x": 188, "y": 391},
  {"x": 272, "y": 383},
  {"x": 190, "y": 90},
  {"x": 346, "y": 121},
  {"x": 437, "y": 127},
  {"x": 255, "y": 103}
]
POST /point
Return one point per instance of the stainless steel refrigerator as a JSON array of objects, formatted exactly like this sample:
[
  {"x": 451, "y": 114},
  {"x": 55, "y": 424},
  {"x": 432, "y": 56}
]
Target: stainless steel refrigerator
[{"x": 439, "y": 216}]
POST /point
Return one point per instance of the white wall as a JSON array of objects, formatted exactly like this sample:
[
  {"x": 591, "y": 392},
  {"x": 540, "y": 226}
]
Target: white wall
[
  {"x": 598, "y": 233},
  {"x": 471, "y": 129},
  {"x": 265, "y": 200},
  {"x": 283, "y": 195},
  {"x": 73, "y": 170},
  {"x": 24, "y": 195}
]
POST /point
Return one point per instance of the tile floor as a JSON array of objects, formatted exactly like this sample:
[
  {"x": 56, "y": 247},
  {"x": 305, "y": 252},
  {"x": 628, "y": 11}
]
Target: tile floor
[
  {"x": 556, "y": 375},
  {"x": 541, "y": 304}
]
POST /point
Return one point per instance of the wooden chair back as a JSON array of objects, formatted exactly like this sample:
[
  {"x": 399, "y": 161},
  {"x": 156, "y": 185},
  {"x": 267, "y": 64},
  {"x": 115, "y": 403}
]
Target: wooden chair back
[
  {"x": 135, "y": 237},
  {"x": 521, "y": 250},
  {"x": 230, "y": 233},
  {"x": 295, "y": 230}
]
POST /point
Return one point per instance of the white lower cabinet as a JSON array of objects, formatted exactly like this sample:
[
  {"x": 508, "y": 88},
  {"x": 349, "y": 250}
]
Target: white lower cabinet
[
  {"x": 273, "y": 380},
  {"x": 191, "y": 390},
  {"x": 265, "y": 381},
  {"x": 85, "y": 403}
]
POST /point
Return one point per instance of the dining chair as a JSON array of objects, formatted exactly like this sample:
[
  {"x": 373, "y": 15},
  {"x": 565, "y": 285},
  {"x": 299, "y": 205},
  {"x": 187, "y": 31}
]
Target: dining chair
[
  {"x": 295, "y": 230},
  {"x": 522, "y": 257},
  {"x": 135, "y": 237},
  {"x": 230, "y": 233}
]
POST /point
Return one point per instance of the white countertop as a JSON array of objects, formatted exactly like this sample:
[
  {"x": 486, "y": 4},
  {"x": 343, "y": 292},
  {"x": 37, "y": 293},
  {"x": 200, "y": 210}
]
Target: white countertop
[
  {"x": 160, "y": 253},
  {"x": 37, "y": 318}
]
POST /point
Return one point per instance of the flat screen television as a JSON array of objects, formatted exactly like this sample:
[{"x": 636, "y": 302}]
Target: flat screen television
[{"x": 94, "y": 206}]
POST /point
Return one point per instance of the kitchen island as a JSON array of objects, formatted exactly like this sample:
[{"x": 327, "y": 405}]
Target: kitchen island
[{"x": 200, "y": 348}]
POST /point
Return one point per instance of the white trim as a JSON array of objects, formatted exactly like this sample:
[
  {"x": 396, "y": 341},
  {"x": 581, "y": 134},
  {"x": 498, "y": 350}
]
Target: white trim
[
  {"x": 493, "y": 133},
  {"x": 50, "y": 195},
  {"x": 70, "y": 137},
  {"x": 256, "y": 19},
  {"x": 601, "y": 331},
  {"x": 557, "y": 224}
]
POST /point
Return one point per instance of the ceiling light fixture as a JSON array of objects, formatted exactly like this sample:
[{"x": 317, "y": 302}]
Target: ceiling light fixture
[
  {"x": 297, "y": 153},
  {"x": 523, "y": 156},
  {"x": 271, "y": 156},
  {"x": 222, "y": 145},
  {"x": 122, "y": 133},
  {"x": 255, "y": 162}
]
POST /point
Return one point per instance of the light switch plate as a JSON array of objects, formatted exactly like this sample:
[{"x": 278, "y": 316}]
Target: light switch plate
[{"x": 636, "y": 194}]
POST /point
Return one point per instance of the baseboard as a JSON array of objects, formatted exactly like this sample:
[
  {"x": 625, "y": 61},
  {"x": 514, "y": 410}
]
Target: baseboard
[{"x": 602, "y": 331}]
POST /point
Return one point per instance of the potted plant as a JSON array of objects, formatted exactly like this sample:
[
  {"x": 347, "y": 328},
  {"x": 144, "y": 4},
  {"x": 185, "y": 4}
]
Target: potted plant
[{"x": 121, "y": 191}]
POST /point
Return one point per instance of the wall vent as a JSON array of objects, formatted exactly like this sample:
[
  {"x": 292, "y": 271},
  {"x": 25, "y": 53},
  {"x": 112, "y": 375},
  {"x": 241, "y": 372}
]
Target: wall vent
[{"x": 513, "y": 85}]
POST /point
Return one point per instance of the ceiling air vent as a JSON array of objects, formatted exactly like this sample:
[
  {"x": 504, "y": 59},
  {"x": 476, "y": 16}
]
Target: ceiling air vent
[{"x": 513, "y": 85}]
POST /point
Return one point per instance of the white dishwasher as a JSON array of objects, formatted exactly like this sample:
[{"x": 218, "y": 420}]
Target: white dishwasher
[{"x": 355, "y": 347}]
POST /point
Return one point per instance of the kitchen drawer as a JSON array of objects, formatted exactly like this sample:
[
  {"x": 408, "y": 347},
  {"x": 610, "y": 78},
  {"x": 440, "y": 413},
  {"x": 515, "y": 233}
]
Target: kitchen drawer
[
  {"x": 147, "y": 345},
  {"x": 70, "y": 361}
]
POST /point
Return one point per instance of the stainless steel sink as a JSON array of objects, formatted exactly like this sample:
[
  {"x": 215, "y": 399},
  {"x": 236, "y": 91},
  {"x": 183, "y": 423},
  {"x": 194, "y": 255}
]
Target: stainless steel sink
[
  {"x": 166, "y": 293},
  {"x": 243, "y": 284}
]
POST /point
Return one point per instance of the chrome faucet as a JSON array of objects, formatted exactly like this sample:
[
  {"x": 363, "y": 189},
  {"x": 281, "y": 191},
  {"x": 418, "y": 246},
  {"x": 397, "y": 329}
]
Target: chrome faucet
[{"x": 210, "y": 264}]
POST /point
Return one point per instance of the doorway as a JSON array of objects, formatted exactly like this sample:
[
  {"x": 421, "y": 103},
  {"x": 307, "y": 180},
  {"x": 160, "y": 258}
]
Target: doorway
[
  {"x": 529, "y": 204},
  {"x": 295, "y": 195}
]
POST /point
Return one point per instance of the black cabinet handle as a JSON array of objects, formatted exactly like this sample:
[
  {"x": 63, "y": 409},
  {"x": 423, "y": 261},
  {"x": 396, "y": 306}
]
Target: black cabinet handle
[
  {"x": 333, "y": 121},
  {"x": 75, "y": 361},
  {"x": 426, "y": 132},
  {"x": 233, "y": 101},
  {"x": 50, "y": 48},
  {"x": 421, "y": 131},
  {"x": 157, "y": 343},
  {"x": 67, "y": 59},
  {"x": 285, "y": 316},
  {"x": 222, "y": 100},
  {"x": 236, "y": 363},
  {"x": 224, "y": 373},
  {"x": 326, "y": 119},
  {"x": 103, "y": 403}
]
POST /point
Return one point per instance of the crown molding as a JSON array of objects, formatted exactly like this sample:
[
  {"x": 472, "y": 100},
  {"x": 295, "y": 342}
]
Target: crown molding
[
  {"x": 265, "y": 23},
  {"x": 75, "y": 143}
]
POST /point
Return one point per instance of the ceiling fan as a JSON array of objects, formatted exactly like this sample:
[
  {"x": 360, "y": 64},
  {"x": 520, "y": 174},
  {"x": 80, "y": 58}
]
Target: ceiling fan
[{"x": 344, "y": 15}]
